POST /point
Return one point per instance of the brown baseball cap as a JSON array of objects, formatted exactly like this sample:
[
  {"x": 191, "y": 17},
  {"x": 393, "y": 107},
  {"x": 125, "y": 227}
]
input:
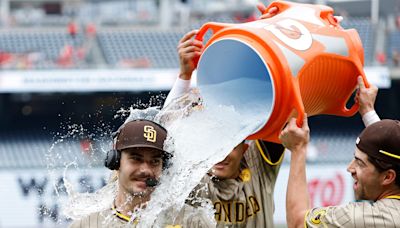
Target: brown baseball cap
[
  {"x": 140, "y": 133},
  {"x": 381, "y": 140}
]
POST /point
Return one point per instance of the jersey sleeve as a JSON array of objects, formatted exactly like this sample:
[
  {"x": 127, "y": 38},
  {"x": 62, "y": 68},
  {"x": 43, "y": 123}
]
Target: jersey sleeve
[
  {"x": 337, "y": 216},
  {"x": 264, "y": 160},
  {"x": 179, "y": 88},
  {"x": 370, "y": 118},
  {"x": 264, "y": 156},
  {"x": 366, "y": 214}
]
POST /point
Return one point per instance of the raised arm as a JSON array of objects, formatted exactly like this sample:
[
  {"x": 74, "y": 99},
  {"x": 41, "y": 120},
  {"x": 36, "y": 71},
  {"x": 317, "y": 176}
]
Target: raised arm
[
  {"x": 296, "y": 140},
  {"x": 366, "y": 98},
  {"x": 188, "y": 49}
]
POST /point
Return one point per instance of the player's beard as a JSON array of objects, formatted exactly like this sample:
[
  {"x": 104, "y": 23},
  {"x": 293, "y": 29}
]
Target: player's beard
[
  {"x": 142, "y": 194},
  {"x": 360, "y": 193},
  {"x": 133, "y": 195},
  {"x": 134, "y": 190}
]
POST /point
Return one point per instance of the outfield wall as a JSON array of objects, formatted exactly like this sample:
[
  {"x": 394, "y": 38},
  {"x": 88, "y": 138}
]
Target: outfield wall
[{"x": 35, "y": 197}]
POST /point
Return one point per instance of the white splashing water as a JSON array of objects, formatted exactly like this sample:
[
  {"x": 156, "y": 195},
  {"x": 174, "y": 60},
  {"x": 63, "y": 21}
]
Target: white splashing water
[
  {"x": 80, "y": 204},
  {"x": 198, "y": 137}
]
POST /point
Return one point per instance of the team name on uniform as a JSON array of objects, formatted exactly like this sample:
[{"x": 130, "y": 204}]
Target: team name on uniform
[{"x": 236, "y": 211}]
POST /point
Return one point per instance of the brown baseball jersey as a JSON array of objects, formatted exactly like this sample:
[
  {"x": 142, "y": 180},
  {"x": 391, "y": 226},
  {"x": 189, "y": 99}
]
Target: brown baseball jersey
[
  {"x": 193, "y": 217},
  {"x": 113, "y": 218},
  {"x": 246, "y": 201},
  {"x": 106, "y": 218},
  {"x": 368, "y": 214}
]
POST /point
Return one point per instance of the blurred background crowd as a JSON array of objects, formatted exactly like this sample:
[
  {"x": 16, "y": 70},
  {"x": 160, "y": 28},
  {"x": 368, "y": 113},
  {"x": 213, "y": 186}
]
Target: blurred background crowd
[{"x": 69, "y": 70}]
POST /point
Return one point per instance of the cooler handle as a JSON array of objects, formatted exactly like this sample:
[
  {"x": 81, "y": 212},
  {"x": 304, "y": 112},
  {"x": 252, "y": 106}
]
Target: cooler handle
[
  {"x": 281, "y": 5},
  {"x": 298, "y": 104},
  {"x": 354, "y": 109},
  {"x": 214, "y": 26}
]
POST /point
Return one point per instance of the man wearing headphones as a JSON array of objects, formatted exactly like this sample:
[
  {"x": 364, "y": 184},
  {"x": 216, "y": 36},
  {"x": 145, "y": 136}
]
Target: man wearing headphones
[{"x": 139, "y": 159}]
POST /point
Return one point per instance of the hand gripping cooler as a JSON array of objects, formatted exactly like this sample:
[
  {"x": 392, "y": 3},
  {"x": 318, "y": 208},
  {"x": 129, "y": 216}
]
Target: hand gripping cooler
[{"x": 299, "y": 61}]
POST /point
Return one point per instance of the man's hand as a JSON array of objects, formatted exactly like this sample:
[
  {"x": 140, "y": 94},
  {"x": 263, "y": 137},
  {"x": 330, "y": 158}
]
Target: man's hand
[
  {"x": 271, "y": 12},
  {"x": 274, "y": 11},
  {"x": 188, "y": 50},
  {"x": 365, "y": 96},
  {"x": 295, "y": 138}
]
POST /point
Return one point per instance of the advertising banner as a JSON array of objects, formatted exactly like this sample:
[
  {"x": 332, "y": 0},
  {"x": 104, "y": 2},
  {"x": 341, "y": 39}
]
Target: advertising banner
[{"x": 35, "y": 198}]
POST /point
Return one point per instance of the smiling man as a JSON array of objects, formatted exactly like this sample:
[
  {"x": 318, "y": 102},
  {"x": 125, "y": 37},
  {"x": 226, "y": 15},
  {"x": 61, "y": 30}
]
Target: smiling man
[
  {"x": 375, "y": 169},
  {"x": 139, "y": 159},
  {"x": 241, "y": 187},
  {"x": 230, "y": 166}
]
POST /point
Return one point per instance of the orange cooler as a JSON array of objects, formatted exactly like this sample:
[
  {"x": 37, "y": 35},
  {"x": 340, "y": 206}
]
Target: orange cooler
[{"x": 299, "y": 61}]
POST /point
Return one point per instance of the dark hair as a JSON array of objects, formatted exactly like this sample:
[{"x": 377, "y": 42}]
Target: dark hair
[{"x": 382, "y": 166}]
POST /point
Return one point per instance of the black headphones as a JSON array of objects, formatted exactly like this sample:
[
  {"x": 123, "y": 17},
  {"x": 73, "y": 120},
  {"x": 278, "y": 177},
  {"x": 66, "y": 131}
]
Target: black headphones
[
  {"x": 112, "y": 160},
  {"x": 113, "y": 157}
]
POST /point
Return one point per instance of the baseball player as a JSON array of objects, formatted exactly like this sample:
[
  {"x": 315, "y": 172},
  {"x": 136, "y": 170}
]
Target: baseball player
[
  {"x": 241, "y": 187},
  {"x": 139, "y": 159},
  {"x": 375, "y": 169}
]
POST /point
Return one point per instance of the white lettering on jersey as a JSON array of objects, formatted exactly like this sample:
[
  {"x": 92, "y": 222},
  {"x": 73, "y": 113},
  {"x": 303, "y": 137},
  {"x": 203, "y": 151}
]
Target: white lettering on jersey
[{"x": 234, "y": 212}]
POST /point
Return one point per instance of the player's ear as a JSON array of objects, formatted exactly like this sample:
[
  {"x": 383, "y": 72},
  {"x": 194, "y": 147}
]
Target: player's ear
[{"x": 390, "y": 177}]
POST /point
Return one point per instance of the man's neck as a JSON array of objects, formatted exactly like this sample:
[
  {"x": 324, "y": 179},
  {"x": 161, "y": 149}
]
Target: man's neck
[
  {"x": 389, "y": 193},
  {"x": 127, "y": 204}
]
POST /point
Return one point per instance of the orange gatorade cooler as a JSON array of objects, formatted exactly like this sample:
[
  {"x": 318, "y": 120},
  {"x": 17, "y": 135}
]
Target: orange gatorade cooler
[{"x": 299, "y": 61}]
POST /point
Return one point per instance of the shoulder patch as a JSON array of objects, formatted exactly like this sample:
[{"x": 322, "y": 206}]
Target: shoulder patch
[
  {"x": 315, "y": 218},
  {"x": 245, "y": 175}
]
